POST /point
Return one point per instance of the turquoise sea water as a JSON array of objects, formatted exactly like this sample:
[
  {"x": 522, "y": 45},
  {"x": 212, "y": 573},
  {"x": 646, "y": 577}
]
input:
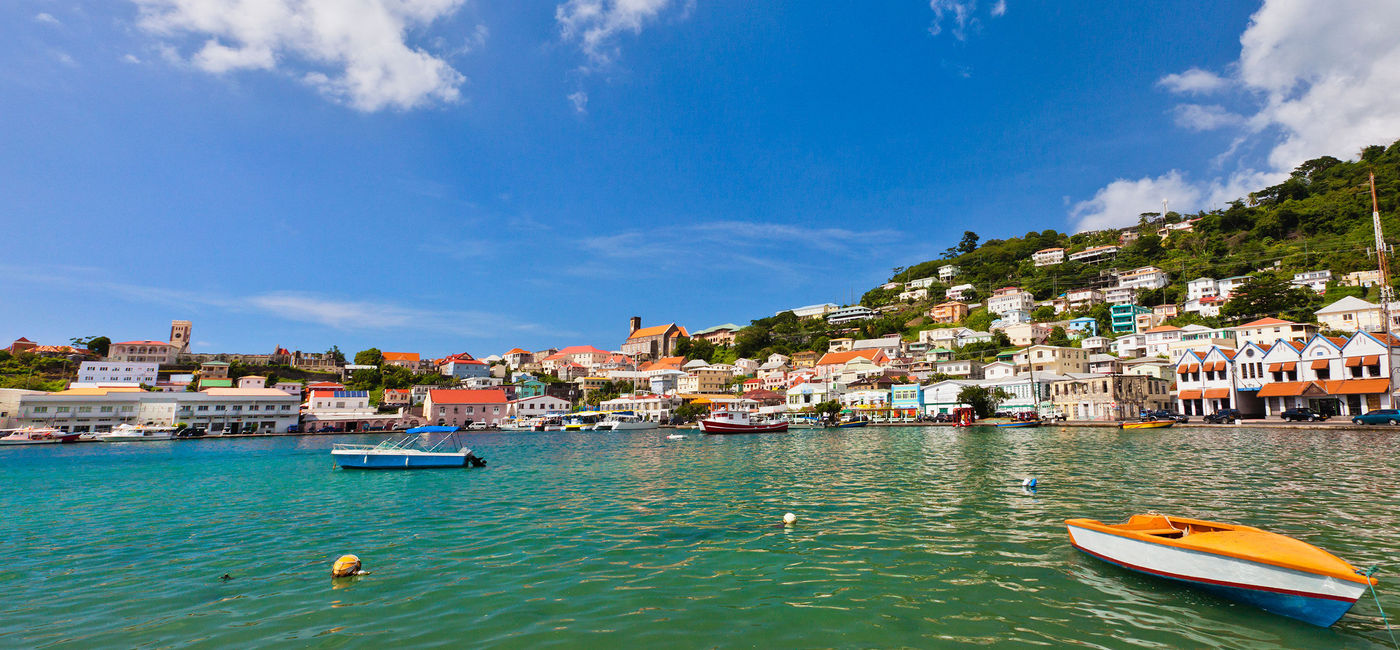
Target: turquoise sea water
[{"x": 907, "y": 537}]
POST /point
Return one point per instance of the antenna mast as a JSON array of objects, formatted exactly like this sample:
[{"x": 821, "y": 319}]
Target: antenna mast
[{"x": 1387, "y": 293}]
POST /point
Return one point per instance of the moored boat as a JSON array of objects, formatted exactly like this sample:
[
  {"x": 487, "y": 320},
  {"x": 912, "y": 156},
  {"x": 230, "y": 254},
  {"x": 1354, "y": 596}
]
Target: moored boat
[
  {"x": 849, "y": 424},
  {"x": 408, "y": 452},
  {"x": 1276, "y": 573},
  {"x": 625, "y": 421},
  {"x": 136, "y": 433},
  {"x": 36, "y": 436},
  {"x": 1147, "y": 424},
  {"x": 737, "y": 421}
]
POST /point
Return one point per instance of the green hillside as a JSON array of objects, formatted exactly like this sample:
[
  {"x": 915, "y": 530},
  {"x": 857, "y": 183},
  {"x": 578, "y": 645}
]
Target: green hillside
[{"x": 1319, "y": 218}]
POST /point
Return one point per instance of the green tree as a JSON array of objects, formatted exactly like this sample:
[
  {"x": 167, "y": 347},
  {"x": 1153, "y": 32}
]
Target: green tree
[
  {"x": 367, "y": 379},
  {"x": 983, "y": 401},
  {"x": 979, "y": 319},
  {"x": 336, "y": 354},
  {"x": 370, "y": 357},
  {"x": 829, "y": 411},
  {"x": 1267, "y": 294},
  {"x": 1043, "y": 313},
  {"x": 689, "y": 412},
  {"x": 98, "y": 344},
  {"x": 968, "y": 242},
  {"x": 1058, "y": 336}
]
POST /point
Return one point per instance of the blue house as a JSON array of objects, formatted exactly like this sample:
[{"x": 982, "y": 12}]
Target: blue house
[
  {"x": 1085, "y": 325},
  {"x": 906, "y": 400}
]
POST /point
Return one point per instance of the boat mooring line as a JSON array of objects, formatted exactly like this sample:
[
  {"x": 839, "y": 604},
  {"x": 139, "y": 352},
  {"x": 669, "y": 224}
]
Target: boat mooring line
[{"x": 1372, "y": 585}]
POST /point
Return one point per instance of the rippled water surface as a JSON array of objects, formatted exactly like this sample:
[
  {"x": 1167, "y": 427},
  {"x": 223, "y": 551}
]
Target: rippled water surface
[{"x": 907, "y": 537}]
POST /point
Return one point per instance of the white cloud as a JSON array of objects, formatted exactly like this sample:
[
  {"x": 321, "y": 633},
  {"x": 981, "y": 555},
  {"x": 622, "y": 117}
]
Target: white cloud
[
  {"x": 131, "y": 58},
  {"x": 1194, "y": 80},
  {"x": 960, "y": 16},
  {"x": 356, "y": 51},
  {"x": 1318, "y": 82},
  {"x": 47, "y": 19},
  {"x": 580, "y": 101},
  {"x": 595, "y": 24},
  {"x": 1198, "y": 117},
  {"x": 1122, "y": 201}
]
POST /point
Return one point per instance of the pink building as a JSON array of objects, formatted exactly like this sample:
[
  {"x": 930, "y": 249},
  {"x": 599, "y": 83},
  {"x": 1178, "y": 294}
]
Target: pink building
[{"x": 459, "y": 408}]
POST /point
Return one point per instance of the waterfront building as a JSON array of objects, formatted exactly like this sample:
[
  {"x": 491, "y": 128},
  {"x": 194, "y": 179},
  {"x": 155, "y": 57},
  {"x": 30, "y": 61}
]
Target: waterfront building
[
  {"x": 806, "y": 394},
  {"x": 215, "y": 411},
  {"x": 1109, "y": 398},
  {"x": 1048, "y": 256},
  {"x": 1008, "y": 299},
  {"x": 906, "y": 400},
  {"x": 536, "y": 406},
  {"x": 458, "y": 407}
]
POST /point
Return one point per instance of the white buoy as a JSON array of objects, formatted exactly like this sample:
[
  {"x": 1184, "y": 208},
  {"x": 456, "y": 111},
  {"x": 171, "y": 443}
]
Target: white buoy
[
  {"x": 789, "y": 519},
  {"x": 1030, "y": 483}
]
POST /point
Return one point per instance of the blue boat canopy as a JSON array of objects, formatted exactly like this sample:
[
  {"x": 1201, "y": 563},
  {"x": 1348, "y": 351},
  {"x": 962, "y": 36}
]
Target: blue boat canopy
[{"x": 432, "y": 430}]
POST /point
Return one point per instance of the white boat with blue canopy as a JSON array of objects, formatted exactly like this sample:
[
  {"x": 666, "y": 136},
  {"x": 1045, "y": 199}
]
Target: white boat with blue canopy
[{"x": 408, "y": 452}]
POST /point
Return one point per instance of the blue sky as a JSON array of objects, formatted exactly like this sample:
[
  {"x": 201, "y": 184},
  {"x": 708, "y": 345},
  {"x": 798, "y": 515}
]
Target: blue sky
[{"x": 442, "y": 175}]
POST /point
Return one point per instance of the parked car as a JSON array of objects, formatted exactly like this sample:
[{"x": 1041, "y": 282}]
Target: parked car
[
  {"x": 1380, "y": 416},
  {"x": 478, "y": 426},
  {"x": 1165, "y": 414},
  {"x": 1223, "y": 416},
  {"x": 1303, "y": 414}
]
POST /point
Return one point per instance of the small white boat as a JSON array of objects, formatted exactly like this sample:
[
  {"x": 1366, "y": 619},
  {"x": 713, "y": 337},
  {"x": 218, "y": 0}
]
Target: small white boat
[
  {"x": 407, "y": 452},
  {"x": 623, "y": 421},
  {"x": 1273, "y": 572},
  {"x": 676, "y": 436},
  {"x": 136, "y": 433},
  {"x": 35, "y": 436}
]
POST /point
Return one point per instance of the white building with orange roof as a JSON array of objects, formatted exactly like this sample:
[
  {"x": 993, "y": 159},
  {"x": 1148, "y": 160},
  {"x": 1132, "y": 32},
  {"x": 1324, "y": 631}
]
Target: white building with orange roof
[
  {"x": 583, "y": 355},
  {"x": 517, "y": 357},
  {"x": 835, "y": 362},
  {"x": 1160, "y": 339},
  {"x": 409, "y": 360},
  {"x": 1048, "y": 256},
  {"x": 1269, "y": 330}
]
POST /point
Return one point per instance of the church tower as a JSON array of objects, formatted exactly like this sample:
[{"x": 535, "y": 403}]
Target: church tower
[{"x": 180, "y": 335}]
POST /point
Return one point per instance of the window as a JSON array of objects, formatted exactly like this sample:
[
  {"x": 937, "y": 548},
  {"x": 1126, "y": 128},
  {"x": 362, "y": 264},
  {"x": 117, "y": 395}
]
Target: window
[
  {"x": 84, "y": 409},
  {"x": 202, "y": 408},
  {"x": 61, "y": 409},
  {"x": 41, "y": 409},
  {"x": 220, "y": 407}
]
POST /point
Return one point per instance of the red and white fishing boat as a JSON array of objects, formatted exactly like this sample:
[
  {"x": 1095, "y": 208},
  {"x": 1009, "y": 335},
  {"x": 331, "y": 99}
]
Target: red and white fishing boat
[
  {"x": 35, "y": 436},
  {"x": 1273, "y": 572},
  {"x": 738, "y": 421}
]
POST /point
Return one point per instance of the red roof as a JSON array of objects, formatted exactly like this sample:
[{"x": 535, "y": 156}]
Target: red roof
[
  {"x": 517, "y": 351},
  {"x": 580, "y": 349},
  {"x": 462, "y": 396},
  {"x": 401, "y": 356},
  {"x": 843, "y": 357},
  {"x": 472, "y": 362}
]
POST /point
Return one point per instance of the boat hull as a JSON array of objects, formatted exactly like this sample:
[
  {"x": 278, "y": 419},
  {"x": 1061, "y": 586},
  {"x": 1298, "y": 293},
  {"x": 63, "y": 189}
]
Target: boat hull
[
  {"x": 362, "y": 460},
  {"x": 850, "y": 425},
  {"x": 1313, "y": 598},
  {"x": 1018, "y": 425},
  {"x": 1159, "y": 424},
  {"x": 724, "y": 428}
]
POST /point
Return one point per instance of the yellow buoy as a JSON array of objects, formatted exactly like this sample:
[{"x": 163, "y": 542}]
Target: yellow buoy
[
  {"x": 347, "y": 565},
  {"x": 789, "y": 519}
]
